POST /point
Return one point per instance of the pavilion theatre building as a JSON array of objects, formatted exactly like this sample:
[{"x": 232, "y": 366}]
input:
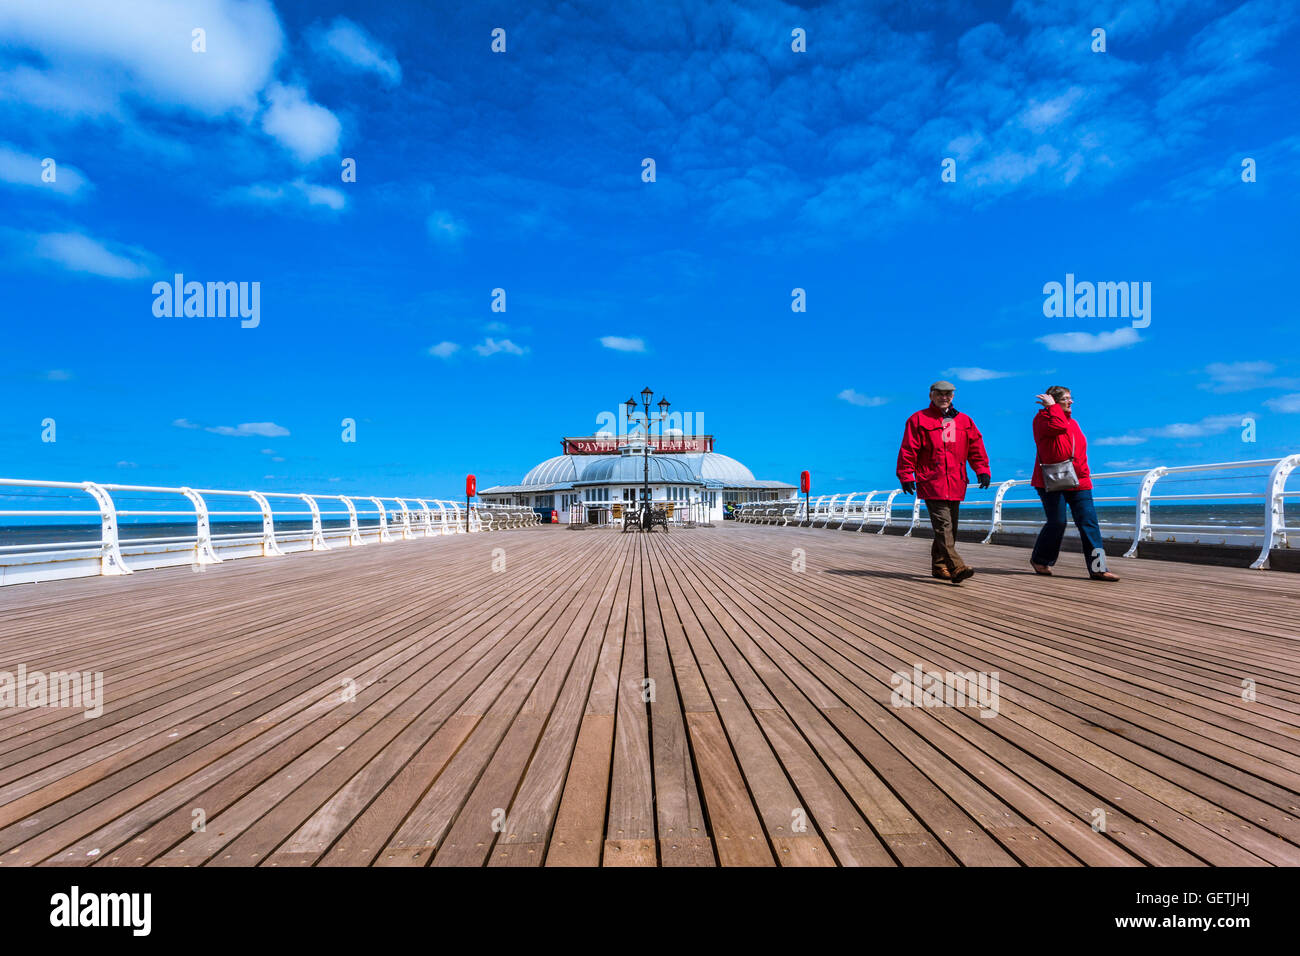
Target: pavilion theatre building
[{"x": 595, "y": 472}]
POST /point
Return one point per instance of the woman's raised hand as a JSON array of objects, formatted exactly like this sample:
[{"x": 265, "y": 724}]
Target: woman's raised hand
[{"x": 1045, "y": 400}]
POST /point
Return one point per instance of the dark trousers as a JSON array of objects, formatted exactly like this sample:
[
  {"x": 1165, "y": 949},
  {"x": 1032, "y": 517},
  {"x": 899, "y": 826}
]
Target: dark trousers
[
  {"x": 943, "y": 519},
  {"x": 1048, "y": 546}
]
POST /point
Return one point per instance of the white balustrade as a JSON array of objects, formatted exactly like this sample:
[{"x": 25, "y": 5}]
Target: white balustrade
[{"x": 121, "y": 549}]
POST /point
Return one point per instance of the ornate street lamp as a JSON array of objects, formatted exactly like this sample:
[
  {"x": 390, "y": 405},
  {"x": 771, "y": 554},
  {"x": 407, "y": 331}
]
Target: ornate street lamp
[{"x": 646, "y": 395}]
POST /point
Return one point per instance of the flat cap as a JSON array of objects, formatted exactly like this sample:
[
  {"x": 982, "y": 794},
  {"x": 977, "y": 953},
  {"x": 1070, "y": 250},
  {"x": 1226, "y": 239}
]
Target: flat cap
[{"x": 942, "y": 386}]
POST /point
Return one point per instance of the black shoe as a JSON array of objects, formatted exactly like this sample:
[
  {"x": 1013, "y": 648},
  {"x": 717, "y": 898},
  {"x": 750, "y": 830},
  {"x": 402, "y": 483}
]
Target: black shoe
[{"x": 961, "y": 574}]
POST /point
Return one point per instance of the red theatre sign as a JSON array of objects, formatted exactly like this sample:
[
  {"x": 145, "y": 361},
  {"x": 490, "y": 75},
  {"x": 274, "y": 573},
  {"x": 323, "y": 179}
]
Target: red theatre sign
[{"x": 671, "y": 444}]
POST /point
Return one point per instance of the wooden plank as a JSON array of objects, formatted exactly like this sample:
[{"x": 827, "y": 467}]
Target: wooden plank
[
  {"x": 631, "y": 824},
  {"x": 577, "y": 839}
]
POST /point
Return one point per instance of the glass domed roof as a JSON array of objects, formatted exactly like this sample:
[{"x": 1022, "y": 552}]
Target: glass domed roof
[
  {"x": 557, "y": 469},
  {"x": 709, "y": 467},
  {"x": 630, "y": 469}
]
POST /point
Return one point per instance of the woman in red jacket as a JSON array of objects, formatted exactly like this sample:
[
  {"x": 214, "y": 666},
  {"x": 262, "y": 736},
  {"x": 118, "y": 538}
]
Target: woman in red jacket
[{"x": 1059, "y": 438}]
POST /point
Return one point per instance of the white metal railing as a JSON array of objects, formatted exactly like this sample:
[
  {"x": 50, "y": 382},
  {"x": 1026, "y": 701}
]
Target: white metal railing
[
  {"x": 306, "y": 522},
  {"x": 1271, "y": 533}
]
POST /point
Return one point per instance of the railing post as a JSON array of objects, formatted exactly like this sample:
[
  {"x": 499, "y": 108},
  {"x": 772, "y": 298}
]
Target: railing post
[
  {"x": 995, "y": 522},
  {"x": 269, "y": 548},
  {"x": 406, "y": 520},
  {"x": 866, "y": 518},
  {"x": 203, "y": 551},
  {"x": 889, "y": 510},
  {"x": 916, "y": 515},
  {"x": 1275, "y": 511},
  {"x": 383, "y": 520},
  {"x": 317, "y": 532},
  {"x": 426, "y": 516},
  {"x": 354, "y": 529},
  {"x": 110, "y": 554},
  {"x": 847, "y": 502},
  {"x": 1142, "y": 526}
]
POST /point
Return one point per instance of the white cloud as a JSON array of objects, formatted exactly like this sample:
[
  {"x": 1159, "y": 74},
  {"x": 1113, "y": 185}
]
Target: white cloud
[
  {"x": 1245, "y": 376},
  {"x": 298, "y": 192},
  {"x": 1120, "y": 440},
  {"x": 491, "y": 346},
  {"x": 142, "y": 51},
  {"x": 77, "y": 252},
  {"x": 1284, "y": 403},
  {"x": 1210, "y": 425},
  {"x": 976, "y": 374},
  {"x": 620, "y": 344},
  {"x": 22, "y": 169},
  {"x": 322, "y": 195},
  {"x": 121, "y": 61},
  {"x": 58, "y": 375},
  {"x": 857, "y": 398},
  {"x": 1091, "y": 341},
  {"x": 306, "y": 129},
  {"x": 444, "y": 227},
  {"x": 264, "y": 429},
  {"x": 1040, "y": 116},
  {"x": 348, "y": 43},
  {"x": 1010, "y": 168},
  {"x": 444, "y": 349}
]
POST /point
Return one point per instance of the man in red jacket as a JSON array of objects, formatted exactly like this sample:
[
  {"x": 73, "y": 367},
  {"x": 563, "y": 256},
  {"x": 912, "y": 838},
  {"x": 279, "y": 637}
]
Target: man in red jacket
[{"x": 937, "y": 443}]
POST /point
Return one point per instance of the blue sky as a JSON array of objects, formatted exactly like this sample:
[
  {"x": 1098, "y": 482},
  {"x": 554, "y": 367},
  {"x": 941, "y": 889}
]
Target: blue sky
[{"x": 522, "y": 170}]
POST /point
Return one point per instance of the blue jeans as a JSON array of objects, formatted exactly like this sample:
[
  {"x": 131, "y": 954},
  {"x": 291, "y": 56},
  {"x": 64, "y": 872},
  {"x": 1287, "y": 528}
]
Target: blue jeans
[{"x": 1048, "y": 546}]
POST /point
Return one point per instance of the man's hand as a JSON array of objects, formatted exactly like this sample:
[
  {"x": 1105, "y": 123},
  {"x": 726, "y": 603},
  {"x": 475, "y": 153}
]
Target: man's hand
[
  {"x": 909, "y": 487},
  {"x": 984, "y": 480},
  {"x": 1045, "y": 400}
]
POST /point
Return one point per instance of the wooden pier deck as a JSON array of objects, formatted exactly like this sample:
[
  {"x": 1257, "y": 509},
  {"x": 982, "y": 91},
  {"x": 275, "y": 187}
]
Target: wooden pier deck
[{"x": 408, "y": 705}]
